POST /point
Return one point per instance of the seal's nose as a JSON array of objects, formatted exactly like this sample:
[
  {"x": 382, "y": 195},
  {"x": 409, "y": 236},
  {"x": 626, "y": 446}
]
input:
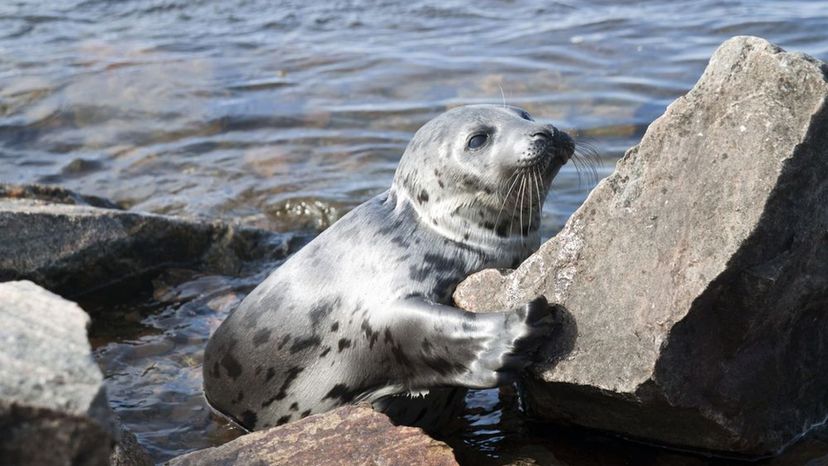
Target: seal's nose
[{"x": 543, "y": 136}]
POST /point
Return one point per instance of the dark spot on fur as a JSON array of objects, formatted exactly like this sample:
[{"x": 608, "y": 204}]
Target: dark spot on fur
[
  {"x": 440, "y": 183},
  {"x": 290, "y": 376},
  {"x": 442, "y": 365},
  {"x": 325, "y": 352},
  {"x": 388, "y": 337},
  {"x": 422, "y": 198},
  {"x": 426, "y": 346},
  {"x": 239, "y": 398},
  {"x": 261, "y": 337},
  {"x": 271, "y": 372},
  {"x": 322, "y": 309},
  {"x": 248, "y": 419},
  {"x": 306, "y": 414},
  {"x": 370, "y": 333},
  {"x": 305, "y": 343},
  {"x": 285, "y": 340},
  {"x": 335, "y": 327},
  {"x": 344, "y": 343},
  {"x": 400, "y": 356},
  {"x": 502, "y": 229},
  {"x": 342, "y": 393},
  {"x": 283, "y": 420},
  {"x": 231, "y": 365},
  {"x": 259, "y": 370},
  {"x": 466, "y": 236},
  {"x": 294, "y": 406}
]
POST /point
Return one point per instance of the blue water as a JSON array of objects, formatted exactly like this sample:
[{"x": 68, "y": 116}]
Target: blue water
[{"x": 286, "y": 114}]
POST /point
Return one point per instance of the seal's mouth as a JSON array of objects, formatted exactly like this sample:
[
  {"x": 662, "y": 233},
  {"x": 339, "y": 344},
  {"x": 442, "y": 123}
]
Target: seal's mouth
[
  {"x": 524, "y": 192},
  {"x": 549, "y": 146}
]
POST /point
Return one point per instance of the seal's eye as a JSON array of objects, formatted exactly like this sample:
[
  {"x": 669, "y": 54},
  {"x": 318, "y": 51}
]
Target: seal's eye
[
  {"x": 525, "y": 115},
  {"x": 477, "y": 141}
]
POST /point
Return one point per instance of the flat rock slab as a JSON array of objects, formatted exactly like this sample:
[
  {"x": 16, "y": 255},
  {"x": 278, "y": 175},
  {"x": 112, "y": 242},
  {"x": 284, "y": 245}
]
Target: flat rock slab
[
  {"x": 71, "y": 244},
  {"x": 697, "y": 273},
  {"x": 53, "y": 407},
  {"x": 350, "y": 435}
]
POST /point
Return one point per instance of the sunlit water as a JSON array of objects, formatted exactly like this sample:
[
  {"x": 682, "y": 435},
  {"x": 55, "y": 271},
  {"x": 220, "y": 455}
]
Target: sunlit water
[{"x": 284, "y": 115}]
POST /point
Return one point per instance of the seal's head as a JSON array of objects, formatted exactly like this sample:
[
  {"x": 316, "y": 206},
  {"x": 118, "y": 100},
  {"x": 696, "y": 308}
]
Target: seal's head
[{"x": 479, "y": 174}]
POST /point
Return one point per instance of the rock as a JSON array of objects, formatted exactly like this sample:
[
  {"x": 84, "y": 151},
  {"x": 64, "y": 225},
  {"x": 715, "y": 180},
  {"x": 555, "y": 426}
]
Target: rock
[
  {"x": 128, "y": 452},
  {"x": 53, "y": 407},
  {"x": 63, "y": 242},
  {"x": 697, "y": 272},
  {"x": 345, "y": 436},
  {"x": 54, "y": 194}
]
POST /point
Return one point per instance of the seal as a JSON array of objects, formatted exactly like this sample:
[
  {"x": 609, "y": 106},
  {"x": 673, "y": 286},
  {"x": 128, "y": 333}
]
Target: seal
[{"x": 363, "y": 311}]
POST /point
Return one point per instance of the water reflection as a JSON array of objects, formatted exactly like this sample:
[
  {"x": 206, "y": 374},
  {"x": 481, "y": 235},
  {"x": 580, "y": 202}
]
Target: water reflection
[{"x": 286, "y": 114}]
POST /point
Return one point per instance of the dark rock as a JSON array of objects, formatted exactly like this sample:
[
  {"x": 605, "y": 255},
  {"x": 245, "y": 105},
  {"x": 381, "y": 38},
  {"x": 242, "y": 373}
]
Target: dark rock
[
  {"x": 69, "y": 245},
  {"x": 53, "y": 194},
  {"x": 697, "y": 272},
  {"x": 345, "y": 436},
  {"x": 53, "y": 407},
  {"x": 128, "y": 452}
]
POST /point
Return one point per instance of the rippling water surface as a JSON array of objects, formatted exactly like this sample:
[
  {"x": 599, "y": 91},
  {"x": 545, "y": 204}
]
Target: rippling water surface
[{"x": 285, "y": 114}]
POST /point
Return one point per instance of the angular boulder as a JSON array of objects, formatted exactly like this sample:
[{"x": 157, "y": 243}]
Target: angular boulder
[
  {"x": 345, "y": 436},
  {"x": 53, "y": 407},
  {"x": 71, "y": 244},
  {"x": 697, "y": 273}
]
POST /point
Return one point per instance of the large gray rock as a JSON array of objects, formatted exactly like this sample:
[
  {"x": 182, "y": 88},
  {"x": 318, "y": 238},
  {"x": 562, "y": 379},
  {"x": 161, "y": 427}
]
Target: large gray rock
[
  {"x": 697, "y": 273},
  {"x": 53, "y": 407},
  {"x": 345, "y": 436},
  {"x": 70, "y": 243}
]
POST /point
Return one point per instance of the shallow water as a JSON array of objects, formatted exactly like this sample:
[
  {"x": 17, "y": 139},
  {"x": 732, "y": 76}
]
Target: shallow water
[{"x": 284, "y": 115}]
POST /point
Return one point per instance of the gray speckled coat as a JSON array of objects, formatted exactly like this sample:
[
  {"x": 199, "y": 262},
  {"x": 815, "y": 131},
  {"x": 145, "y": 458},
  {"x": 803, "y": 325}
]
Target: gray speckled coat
[{"x": 362, "y": 312}]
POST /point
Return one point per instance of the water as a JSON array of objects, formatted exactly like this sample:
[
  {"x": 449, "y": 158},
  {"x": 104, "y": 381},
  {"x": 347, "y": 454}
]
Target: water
[{"x": 285, "y": 115}]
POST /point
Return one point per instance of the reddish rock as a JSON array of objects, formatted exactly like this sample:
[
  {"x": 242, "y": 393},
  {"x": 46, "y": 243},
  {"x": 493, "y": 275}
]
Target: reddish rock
[{"x": 350, "y": 435}]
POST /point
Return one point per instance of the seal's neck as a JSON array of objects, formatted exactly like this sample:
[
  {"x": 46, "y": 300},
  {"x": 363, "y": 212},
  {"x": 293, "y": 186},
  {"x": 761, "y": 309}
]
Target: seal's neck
[{"x": 475, "y": 225}]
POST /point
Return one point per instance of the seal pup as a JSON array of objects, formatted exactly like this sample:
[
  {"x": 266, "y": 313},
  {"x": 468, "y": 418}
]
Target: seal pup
[{"x": 363, "y": 311}]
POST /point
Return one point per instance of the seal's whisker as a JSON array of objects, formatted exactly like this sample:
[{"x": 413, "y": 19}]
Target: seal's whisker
[
  {"x": 538, "y": 183},
  {"x": 506, "y": 199},
  {"x": 586, "y": 156},
  {"x": 531, "y": 200},
  {"x": 522, "y": 191}
]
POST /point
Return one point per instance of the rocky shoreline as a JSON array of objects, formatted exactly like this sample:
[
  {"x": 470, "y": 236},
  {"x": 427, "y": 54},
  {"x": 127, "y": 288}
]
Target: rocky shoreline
[{"x": 700, "y": 299}]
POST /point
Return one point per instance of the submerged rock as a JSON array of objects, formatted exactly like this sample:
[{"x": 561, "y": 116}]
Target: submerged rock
[
  {"x": 71, "y": 244},
  {"x": 697, "y": 272},
  {"x": 346, "y": 436},
  {"x": 53, "y": 407}
]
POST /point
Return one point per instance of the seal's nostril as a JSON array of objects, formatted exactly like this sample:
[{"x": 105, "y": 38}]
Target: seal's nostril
[{"x": 542, "y": 135}]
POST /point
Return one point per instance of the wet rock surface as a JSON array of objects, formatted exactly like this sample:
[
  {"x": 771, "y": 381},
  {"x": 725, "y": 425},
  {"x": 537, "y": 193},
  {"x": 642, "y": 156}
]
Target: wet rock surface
[
  {"x": 346, "y": 436},
  {"x": 697, "y": 273},
  {"x": 53, "y": 406},
  {"x": 70, "y": 243}
]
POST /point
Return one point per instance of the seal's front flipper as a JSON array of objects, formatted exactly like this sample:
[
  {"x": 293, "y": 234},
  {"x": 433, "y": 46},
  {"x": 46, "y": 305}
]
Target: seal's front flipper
[{"x": 434, "y": 344}]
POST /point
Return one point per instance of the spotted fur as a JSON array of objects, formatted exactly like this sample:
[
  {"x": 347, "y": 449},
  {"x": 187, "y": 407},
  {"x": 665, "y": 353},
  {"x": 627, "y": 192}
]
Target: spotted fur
[{"x": 363, "y": 311}]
